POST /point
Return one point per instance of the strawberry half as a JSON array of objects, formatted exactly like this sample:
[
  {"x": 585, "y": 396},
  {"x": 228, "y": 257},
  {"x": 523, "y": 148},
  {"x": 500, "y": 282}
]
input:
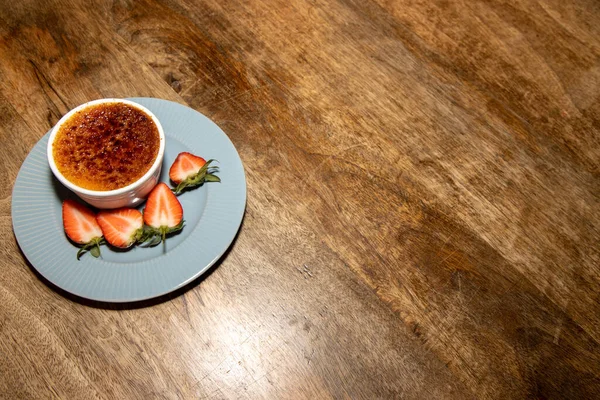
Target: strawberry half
[
  {"x": 122, "y": 227},
  {"x": 163, "y": 211},
  {"x": 189, "y": 170},
  {"x": 81, "y": 227}
]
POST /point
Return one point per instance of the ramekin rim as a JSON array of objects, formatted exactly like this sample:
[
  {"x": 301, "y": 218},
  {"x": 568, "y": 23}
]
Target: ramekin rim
[{"x": 101, "y": 194}]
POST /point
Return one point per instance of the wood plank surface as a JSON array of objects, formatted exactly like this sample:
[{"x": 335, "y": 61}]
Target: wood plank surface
[{"x": 423, "y": 214}]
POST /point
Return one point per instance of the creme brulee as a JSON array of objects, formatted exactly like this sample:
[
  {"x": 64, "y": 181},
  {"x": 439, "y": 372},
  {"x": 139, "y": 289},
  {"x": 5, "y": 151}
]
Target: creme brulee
[{"x": 106, "y": 146}]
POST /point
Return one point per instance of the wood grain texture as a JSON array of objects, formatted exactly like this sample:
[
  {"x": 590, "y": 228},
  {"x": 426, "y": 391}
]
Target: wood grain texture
[{"x": 423, "y": 216}]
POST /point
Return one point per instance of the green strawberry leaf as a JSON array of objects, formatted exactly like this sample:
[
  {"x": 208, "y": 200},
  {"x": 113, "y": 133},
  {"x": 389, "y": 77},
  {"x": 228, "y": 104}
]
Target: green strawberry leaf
[
  {"x": 93, "y": 247},
  {"x": 95, "y": 251}
]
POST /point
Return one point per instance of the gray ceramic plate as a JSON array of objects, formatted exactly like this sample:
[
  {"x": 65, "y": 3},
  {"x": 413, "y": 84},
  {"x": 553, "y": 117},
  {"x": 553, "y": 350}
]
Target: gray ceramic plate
[{"x": 212, "y": 213}]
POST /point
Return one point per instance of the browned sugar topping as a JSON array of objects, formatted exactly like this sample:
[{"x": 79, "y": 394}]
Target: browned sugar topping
[{"x": 106, "y": 146}]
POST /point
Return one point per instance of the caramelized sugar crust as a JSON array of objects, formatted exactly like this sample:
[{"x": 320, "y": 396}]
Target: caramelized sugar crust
[{"x": 106, "y": 146}]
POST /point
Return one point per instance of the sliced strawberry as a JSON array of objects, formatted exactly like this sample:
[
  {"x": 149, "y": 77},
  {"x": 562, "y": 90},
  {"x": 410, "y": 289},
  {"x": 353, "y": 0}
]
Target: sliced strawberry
[
  {"x": 185, "y": 165},
  {"x": 122, "y": 227},
  {"x": 189, "y": 170},
  {"x": 163, "y": 211},
  {"x": 81, "y": 227}
]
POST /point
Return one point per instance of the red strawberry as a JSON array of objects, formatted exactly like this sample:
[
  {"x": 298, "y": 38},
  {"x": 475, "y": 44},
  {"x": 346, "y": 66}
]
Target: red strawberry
[
  {"x": 163, "y": 211},
  {"x": 122, "y": 227},
  {"x": 81, "y": 227},
  {"x": 185, "y": 165},
  {"x": 189, "y": 170}
]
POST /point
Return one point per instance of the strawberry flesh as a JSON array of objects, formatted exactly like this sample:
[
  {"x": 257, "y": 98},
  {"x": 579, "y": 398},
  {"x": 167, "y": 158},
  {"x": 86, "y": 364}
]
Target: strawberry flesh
[
  {"x": 163, "y": 211},
  {"x": 189, "y": 170},
  {"x": 81, "y": 227},
  {"x": 185, "y": 165},
  {"x": 122, "y": 227}
]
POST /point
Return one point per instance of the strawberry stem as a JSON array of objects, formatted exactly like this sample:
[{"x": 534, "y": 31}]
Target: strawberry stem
[{"x": 93, "y": 246}]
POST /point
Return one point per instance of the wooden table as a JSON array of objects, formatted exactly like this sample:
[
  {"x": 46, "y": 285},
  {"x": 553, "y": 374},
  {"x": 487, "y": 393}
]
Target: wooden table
[{"x": 423, "y": 214}]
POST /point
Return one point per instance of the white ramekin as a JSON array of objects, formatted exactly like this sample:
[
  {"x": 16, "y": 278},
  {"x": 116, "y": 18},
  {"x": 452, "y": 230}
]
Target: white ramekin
[{"x": 128, "y": 196}]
